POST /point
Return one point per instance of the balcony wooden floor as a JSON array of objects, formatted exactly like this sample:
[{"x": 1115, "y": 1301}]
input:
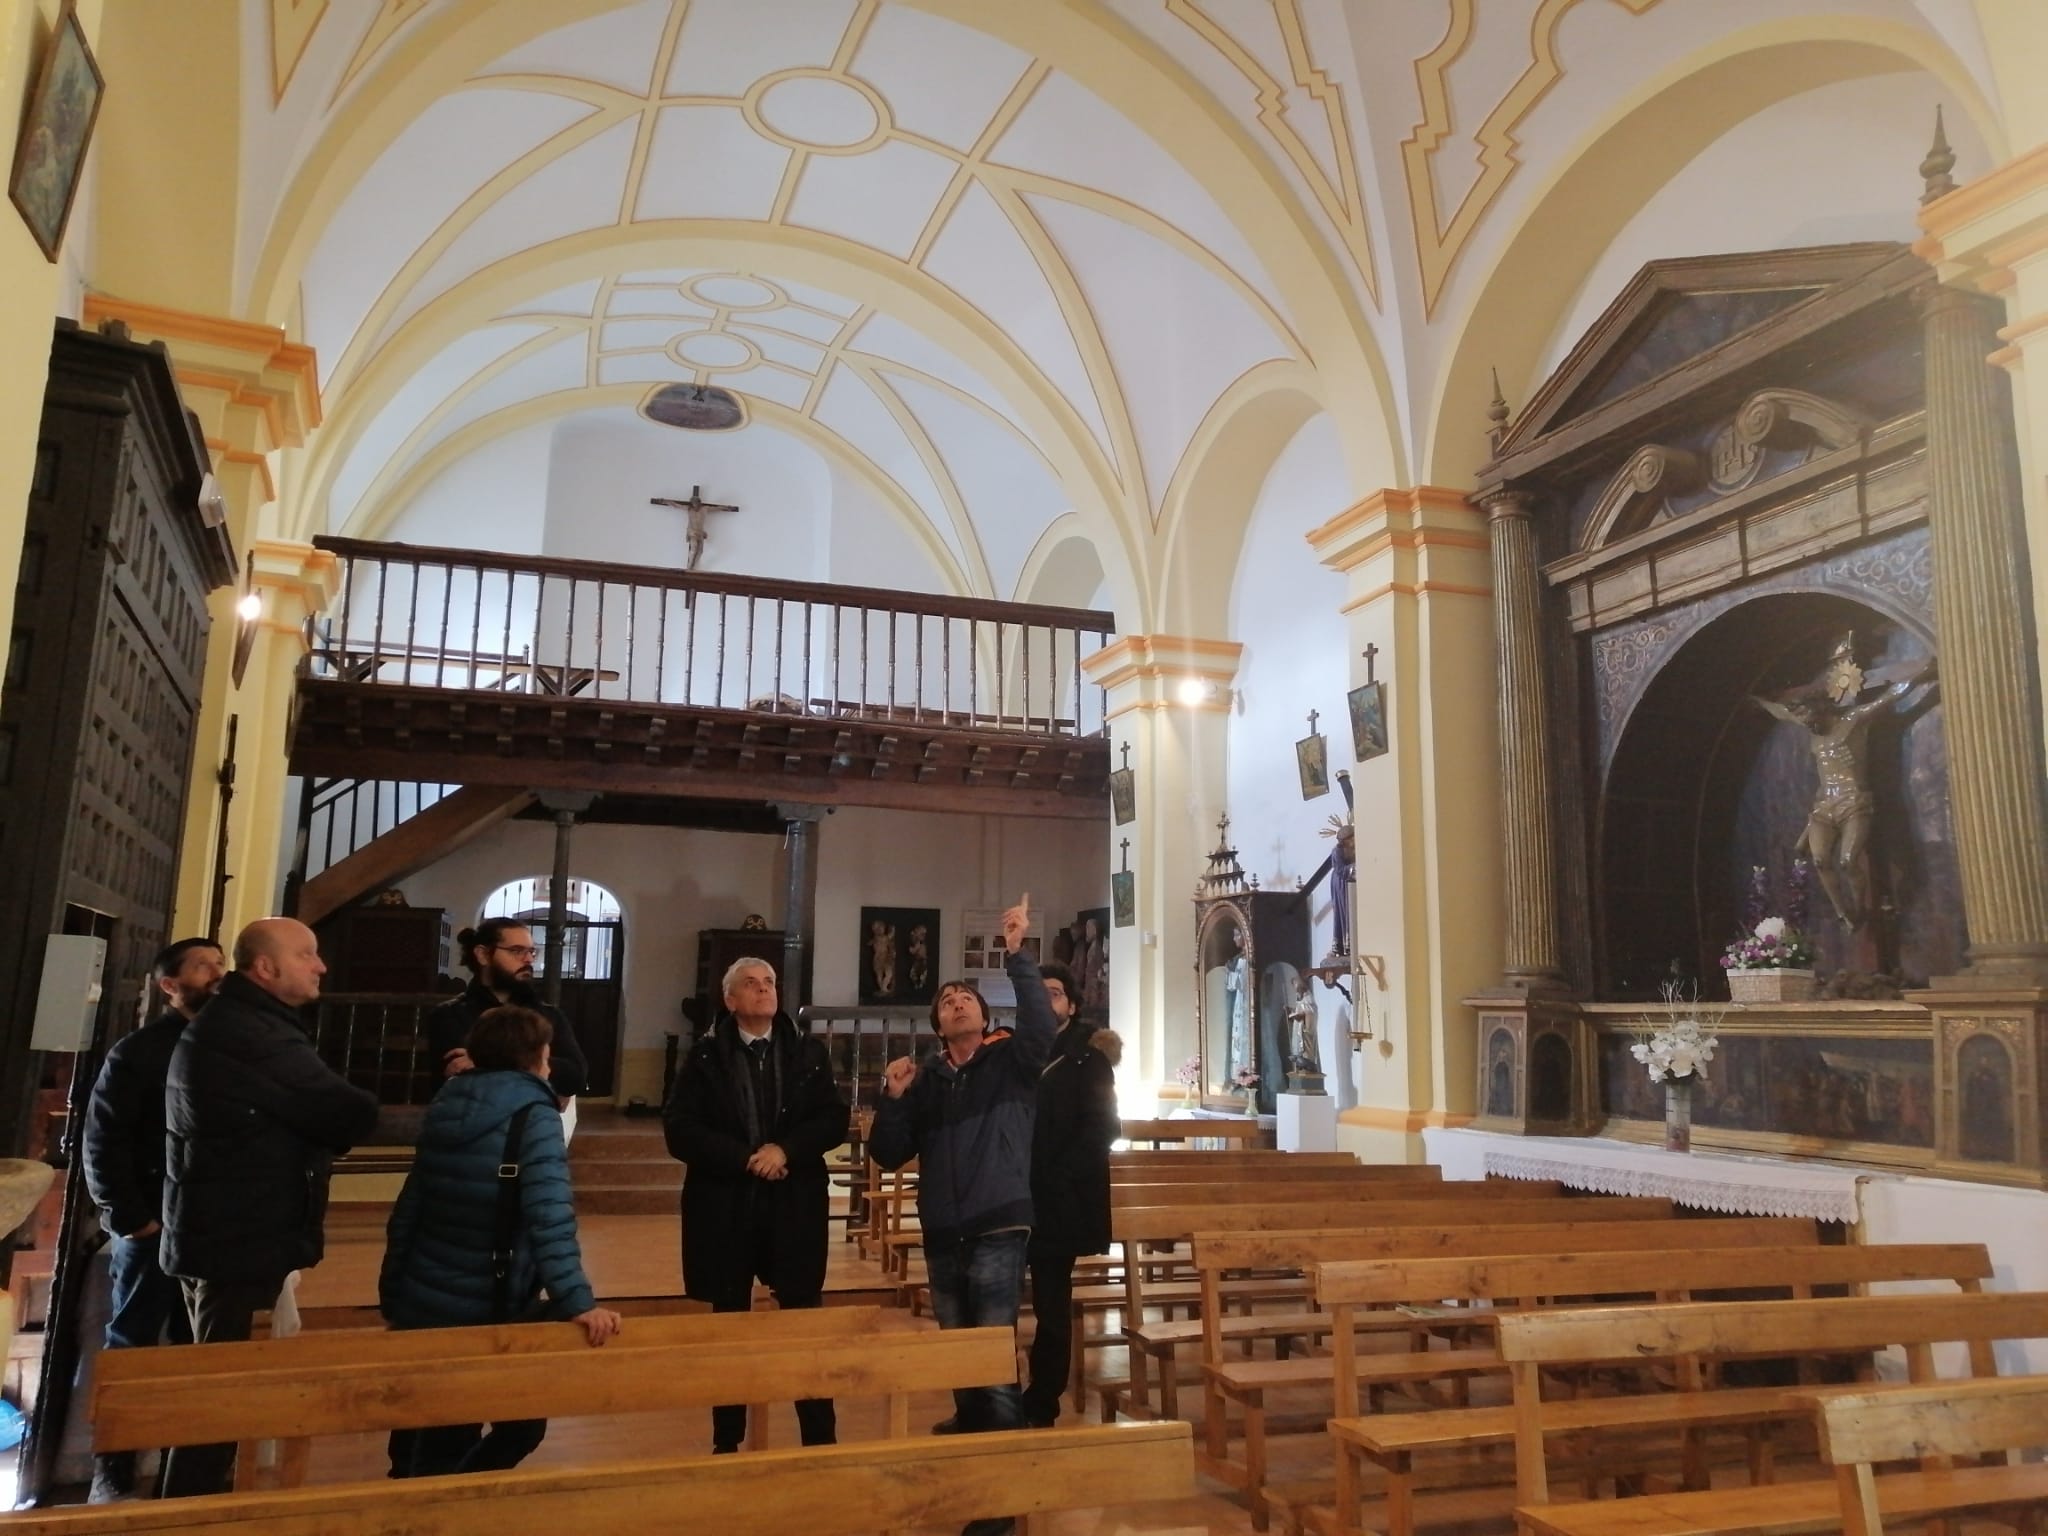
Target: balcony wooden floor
[{"x": 822, "y": 754}]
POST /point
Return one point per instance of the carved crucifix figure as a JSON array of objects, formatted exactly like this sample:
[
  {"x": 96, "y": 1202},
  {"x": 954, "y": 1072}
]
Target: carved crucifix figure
[
  {"x": 1837, "y": 717},
  {"x": 696, "y": 506}
]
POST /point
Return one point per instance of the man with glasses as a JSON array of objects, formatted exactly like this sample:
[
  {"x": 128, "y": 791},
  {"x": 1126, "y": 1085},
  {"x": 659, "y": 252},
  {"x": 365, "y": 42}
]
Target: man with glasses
[{"x": 500, "y": 954}]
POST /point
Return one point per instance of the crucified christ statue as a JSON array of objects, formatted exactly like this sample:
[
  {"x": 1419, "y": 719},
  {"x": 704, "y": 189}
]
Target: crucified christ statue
[
  {"x": 1837, "y": 719},
  {"x": 696, "y": 506}
]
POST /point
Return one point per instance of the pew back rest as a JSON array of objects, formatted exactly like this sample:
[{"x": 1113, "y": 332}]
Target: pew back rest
[
  {"x": 1233, "y": 1188},
  {"x": 1218, "y": 1250},
  {"x": 307, "y": 1351},
  {"x": 294, "y": 1402},
  {"x": 1950, "y": 1418},
  {"x": 1172, "y": 1223},
  {"x": 1669, "y": 1271},
  {"x": 1832, "y": 1325}
]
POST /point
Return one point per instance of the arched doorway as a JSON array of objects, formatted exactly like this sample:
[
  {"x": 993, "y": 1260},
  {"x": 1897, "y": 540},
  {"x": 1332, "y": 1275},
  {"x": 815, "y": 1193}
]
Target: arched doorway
[
  {"x": 593, "y": 962},
  {"x": 1704, "y": 786}
]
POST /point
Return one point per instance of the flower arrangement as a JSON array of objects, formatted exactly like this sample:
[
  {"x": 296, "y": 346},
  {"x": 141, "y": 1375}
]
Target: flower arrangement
[
  {"x": 1773, "y": 942},
  {"x": 1189, "y": 1073},
  {"x": 1246, "y": 1077},
  {"x": 1678, "y": 1048}
]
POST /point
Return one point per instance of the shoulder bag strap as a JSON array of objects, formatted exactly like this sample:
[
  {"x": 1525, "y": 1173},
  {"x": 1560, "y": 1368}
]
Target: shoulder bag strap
[{"x": 505, "y": 1231}]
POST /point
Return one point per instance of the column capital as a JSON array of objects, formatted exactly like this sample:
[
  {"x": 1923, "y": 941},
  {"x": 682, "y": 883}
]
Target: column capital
[
  {"x": 1503, "y": 502},
  {"x": 1977, "y": 234},
  {"x": 296, "y": 580},
  {"x": 1149, "y": 671},
  {"x": 1409, "y": 519}
]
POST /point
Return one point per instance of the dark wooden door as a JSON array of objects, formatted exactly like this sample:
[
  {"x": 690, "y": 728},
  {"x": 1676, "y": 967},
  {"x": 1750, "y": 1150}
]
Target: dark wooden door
[
  {"x": 593, "y": 966},
  {"x": 97, "y": 720}
]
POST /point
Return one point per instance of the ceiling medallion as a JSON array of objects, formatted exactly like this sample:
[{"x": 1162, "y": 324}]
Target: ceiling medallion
[
  {"x": 817, "y": 111},
  {"x": 695, "y": 408}
]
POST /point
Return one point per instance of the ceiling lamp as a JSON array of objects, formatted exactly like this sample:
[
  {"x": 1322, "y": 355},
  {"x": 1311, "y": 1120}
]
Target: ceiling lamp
[{"x": 695, "y": 408}]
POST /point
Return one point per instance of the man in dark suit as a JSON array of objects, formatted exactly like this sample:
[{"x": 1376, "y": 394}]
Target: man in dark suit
[
  {"x": 124, "y": 1172},
  {"x": 255, "y": 1119},
  {"x": 753, "y": 1112}
]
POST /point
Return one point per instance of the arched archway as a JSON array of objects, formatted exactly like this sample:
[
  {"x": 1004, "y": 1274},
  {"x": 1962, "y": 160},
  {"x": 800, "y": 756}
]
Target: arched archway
[
  {"x": 1704, "y": 786},
  {"x": 1643, "y": 142},
  {"x": 593, "y": 961}
]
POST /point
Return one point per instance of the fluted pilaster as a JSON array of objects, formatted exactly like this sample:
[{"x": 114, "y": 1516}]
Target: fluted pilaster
[
  {"x": 1528, "y": 827},
  {"x": 1988, "y": 691}
]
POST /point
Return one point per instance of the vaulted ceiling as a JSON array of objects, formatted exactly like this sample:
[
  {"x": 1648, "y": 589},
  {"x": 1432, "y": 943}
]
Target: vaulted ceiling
[{"x": 1017, "y": 260}]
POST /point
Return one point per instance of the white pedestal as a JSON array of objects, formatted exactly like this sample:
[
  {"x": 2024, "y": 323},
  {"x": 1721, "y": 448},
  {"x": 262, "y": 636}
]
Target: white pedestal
[{"x": 1305, "y": 1122}]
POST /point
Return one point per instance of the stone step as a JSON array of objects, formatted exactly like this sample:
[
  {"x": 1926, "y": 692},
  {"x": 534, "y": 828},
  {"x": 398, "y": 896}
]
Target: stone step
[
  {"x": 666, "y": 1174},
  {"x": 614, "y": 1200},
  {"x": 590, "y": 1146}
]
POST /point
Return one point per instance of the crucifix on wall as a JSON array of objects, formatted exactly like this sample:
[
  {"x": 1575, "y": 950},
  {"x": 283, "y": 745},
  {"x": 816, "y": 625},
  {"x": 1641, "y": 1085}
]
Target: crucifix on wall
[{"x": 696, "y": 506}]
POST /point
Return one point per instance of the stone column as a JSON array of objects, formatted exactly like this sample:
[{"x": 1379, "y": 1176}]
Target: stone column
[
  {"x": 1988, "y": 692},
  {"x": 1528, "y": 826}
]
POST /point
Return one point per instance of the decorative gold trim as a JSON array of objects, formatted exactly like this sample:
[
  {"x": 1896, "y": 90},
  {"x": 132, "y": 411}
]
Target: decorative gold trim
[
  {"x": 1990, "y": 192},
  {"x": 1438, "y": 244},
  {"x": 303, "y": 18},
  {"x": 1412, "y": 589},
  {"x": 394, "y": 15}
]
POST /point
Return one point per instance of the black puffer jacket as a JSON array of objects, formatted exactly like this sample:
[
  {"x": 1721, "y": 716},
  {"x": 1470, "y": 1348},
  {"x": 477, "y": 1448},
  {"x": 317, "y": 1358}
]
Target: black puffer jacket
[
  {"x": 1077, "y": 1125},
  {"x": 448, "y": 1026},
  {"x": 255, "y": 1119},
  {"x": 124, "y": 1127},
  {"x": 725, "y": 1208}
]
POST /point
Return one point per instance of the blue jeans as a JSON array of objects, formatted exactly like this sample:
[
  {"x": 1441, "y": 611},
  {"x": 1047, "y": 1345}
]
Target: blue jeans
[
  {"x": 146, "y": 1302},
  {"x": 979, "y": 1283}
]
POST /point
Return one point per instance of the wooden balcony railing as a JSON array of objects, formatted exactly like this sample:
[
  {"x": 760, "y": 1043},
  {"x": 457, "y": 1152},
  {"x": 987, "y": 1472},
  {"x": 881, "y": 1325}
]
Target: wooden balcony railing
[{"x": 476, "y": 620}]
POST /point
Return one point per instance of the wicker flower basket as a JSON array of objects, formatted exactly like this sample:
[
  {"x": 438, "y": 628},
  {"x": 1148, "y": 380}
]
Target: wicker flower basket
[{"x": 1771, "y": 985}]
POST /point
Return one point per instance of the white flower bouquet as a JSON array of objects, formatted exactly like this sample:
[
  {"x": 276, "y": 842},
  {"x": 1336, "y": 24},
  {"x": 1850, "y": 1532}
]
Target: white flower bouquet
[{"x": 1677, "y": 1048}]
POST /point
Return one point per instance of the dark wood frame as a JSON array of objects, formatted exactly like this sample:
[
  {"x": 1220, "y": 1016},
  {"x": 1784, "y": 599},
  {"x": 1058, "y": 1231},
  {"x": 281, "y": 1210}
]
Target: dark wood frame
[{"x": 38, "y": 103}]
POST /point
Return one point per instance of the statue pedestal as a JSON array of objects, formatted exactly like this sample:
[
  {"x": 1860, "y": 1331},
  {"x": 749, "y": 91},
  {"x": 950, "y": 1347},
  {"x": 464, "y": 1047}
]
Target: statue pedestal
[{"x": 1306, "y": 1122}]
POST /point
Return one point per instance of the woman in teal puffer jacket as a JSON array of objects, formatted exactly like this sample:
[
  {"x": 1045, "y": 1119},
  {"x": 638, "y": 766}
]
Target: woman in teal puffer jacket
[{"x": 438, "y": 1270}]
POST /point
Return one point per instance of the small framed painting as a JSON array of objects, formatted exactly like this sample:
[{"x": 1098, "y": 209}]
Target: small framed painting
[
  {"x": 1312, "y": 762},
  {"x": 899, "y": 952},
  {"x": 1123, "y": 898},
  {"x": 1123, "y": 796},
  {"x": 56, "y": 131},
  {"x": 1368, "y": 721}
]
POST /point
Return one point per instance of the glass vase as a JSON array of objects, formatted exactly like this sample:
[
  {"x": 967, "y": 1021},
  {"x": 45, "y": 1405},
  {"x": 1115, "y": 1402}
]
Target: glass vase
[{"x": 1678, "y": 1114}]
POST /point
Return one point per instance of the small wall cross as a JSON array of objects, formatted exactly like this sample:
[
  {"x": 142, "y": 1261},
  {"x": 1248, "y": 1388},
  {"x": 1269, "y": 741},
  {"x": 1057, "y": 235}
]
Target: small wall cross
[{"x": 1371, "y": 651}]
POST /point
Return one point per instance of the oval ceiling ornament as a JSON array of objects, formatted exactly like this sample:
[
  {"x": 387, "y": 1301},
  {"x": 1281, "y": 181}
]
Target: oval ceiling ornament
[{"x": 695, "y": 408}]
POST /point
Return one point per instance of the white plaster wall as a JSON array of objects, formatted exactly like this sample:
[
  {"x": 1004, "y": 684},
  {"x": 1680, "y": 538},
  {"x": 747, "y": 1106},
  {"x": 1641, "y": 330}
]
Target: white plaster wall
[
  {"x": 671, "y": 882},
  {"x": 1284, "y": 610},
  {"x": 1834, "y": 165},
  {"x": 495, "y": 498}
]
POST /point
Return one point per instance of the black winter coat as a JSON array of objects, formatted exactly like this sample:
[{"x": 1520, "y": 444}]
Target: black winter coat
[
  {"x": 124, "y": 1127},
  {"x": 255, "y": 1119},
  {"x": 726, "y": 1210},
  {"x": 448, "y": 1027},
  {"x": 1077, "y": 1125}
]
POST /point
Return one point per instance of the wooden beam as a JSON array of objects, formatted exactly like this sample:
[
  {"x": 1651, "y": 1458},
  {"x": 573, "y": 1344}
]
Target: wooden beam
[
  {"x": 833, "y": 1491},
  {"x": 413, "y": 844}
]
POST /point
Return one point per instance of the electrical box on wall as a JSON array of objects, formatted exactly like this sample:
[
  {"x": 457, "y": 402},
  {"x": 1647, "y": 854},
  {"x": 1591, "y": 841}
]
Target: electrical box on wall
[{"x": 68, "y": 1003}]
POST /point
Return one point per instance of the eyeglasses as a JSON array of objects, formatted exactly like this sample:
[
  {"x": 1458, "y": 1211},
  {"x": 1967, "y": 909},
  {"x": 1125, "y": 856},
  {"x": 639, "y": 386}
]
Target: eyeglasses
[{"x": 517, "y": 951}]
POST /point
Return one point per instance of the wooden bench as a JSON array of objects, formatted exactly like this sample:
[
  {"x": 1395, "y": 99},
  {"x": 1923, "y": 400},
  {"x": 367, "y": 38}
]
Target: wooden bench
[
  {"x": 1248, "y": 1132},
  {"x": 1530, "y": 1341},
  {"x": 1393, "y": 1441},
  {"x": 1957, "y": 1418},
  {"x": 1441, "y": 1207},
  {"x": 828, "y": 1491},
  {"x": 1364, "y": 1184},
  {"x": 297, "y": 1388},
  {"x": 1247, "y": 1383}
]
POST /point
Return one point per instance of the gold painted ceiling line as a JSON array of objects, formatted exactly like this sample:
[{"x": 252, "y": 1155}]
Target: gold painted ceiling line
[
  {"x": 1342, "y": 199},
  {"x": 1437, "y": 243}
]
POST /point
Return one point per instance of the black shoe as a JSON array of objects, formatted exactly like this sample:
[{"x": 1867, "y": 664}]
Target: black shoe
[
  {"x": 1033, "y": 1422},
  {"x": 1000, "y": 1525},
  {"x": 113, "y": 1478},
  {"x": 724, "y": 1450},
  {"x": 951, "y": 1426}
]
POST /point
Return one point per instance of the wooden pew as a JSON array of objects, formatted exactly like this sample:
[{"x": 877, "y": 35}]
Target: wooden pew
[
  {"x": 1835, "y": 1325},
  {"x": 1245, "y": 1132},
  {"x": 1362, "y": 1185},
  {"x": 1217, "y": 1254},
  {"x": 292, "y": 1399},
  {"x": 1393, "y": 1441},
  {"x": 1956, "y": 1418},
  {"x": 828, "y": 1491},
  {"x": 1441, "y": 1207}
]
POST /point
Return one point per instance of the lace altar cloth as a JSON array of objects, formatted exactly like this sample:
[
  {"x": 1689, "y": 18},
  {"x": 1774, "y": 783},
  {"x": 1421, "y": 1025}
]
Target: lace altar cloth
[{"x": 1714, "y": 1181}]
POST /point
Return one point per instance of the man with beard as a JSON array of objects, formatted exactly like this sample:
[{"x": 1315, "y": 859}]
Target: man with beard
[
  {"x": 500, "y": 954},
  {"x": 124, "y": 1171},
  {"x": 254, "y": 1121},
  {"x": 753, "y": 1113}
]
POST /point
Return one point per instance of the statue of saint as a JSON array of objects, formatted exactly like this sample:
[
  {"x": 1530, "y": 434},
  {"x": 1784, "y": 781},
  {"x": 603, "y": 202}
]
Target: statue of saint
[
  {"x": 1837, "y": 719},
  {"x": 1304, "y": 1054},
  {"x": 1237, "y": 995}
]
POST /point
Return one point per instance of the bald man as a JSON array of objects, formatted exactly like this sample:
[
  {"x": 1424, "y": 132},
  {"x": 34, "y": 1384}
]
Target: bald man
[{"x": 255, "y": 1120}]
